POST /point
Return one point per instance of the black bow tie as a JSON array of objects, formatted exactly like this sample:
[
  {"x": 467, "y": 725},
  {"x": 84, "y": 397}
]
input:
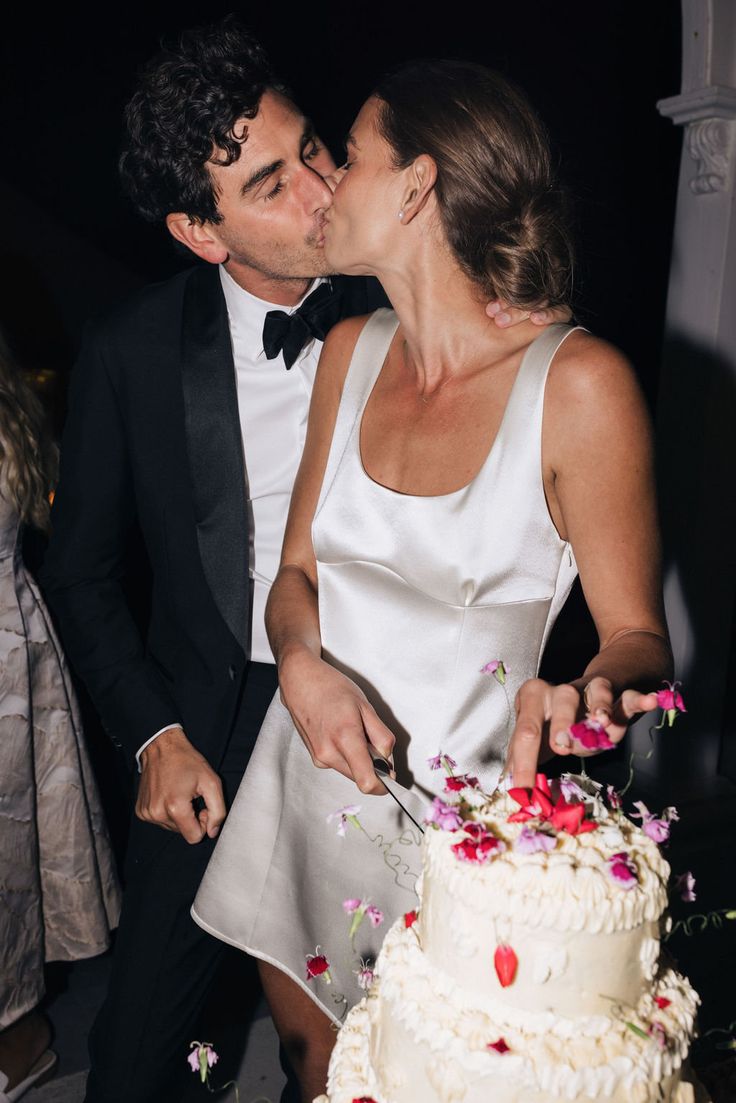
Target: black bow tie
[{"x": 290, "y": 332}]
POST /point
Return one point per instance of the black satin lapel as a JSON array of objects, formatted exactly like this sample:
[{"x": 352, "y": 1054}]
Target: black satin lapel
[{"x": 215, "y": 447}]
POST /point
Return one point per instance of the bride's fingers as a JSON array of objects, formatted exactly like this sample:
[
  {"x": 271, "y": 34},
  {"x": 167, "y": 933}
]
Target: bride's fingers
[
  {"x": 631, "y": 703},
  {"x": 523, "y": 754},
  {"x": 598, "y": 700},
  {"x": 563, "y": 714}
]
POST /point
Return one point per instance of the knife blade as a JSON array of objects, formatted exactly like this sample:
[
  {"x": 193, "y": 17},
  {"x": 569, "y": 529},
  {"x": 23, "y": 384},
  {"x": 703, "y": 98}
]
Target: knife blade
[{"x": 383, "y": 772}]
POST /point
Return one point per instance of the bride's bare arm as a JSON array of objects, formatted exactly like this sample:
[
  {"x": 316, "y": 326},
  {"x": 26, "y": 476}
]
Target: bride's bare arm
[
  {"x": 330, "y": 712},
  {"x": 600, "y": 490}
]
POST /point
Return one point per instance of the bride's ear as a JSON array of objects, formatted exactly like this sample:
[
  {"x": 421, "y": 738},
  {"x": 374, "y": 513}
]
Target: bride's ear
[{"x": 420, "y": 181}]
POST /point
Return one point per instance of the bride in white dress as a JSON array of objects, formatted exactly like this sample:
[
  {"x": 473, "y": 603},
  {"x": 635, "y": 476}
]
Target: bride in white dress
[{"x": 454, "y": 480}]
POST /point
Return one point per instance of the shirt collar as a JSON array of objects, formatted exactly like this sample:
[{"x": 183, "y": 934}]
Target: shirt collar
[{"x": 246, "y": 309}]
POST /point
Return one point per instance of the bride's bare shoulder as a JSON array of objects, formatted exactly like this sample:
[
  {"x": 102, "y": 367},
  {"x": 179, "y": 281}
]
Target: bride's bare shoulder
[{"x": 589, "y": 377}]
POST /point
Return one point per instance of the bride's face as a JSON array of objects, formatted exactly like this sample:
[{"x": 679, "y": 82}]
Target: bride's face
[{"x": 361, "y": 223}]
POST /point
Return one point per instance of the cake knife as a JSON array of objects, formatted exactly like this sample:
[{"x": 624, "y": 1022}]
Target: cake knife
[{"x": 385, "y": 775}]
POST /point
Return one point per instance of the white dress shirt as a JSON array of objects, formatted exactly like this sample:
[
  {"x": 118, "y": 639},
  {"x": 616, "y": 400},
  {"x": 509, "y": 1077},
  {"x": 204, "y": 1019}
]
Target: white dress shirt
[{"x": 273, "y": 405}]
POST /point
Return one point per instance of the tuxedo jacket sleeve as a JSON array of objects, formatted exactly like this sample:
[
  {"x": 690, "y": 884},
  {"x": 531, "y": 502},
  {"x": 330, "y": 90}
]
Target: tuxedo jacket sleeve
[{"x": 153, "y": 439}]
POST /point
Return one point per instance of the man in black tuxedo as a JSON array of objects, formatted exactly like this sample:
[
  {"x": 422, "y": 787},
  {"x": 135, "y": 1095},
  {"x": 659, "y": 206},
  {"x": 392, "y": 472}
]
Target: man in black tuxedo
[{"x": 184, "y": 421}]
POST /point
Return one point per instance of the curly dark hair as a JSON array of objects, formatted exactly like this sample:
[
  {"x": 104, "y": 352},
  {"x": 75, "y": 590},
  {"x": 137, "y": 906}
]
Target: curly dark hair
[{"x": 188, "y": 99}]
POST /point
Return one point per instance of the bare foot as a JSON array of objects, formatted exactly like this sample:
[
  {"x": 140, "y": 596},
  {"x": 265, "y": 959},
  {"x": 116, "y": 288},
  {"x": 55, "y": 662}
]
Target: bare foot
[{"x": 21, "y": 1045}]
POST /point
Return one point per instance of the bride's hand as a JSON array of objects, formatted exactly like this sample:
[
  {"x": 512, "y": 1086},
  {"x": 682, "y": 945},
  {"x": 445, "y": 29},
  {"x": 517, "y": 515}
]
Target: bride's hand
[
  {"x": 334, "y": 719},
  {"x": 545, "y": 714}
]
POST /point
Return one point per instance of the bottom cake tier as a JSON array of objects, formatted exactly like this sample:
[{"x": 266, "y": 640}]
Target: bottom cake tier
[{"x": 416, "y": 1038}]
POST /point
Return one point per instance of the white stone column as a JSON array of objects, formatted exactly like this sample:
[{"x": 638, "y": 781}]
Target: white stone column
[{"x": 696, "y": 411}]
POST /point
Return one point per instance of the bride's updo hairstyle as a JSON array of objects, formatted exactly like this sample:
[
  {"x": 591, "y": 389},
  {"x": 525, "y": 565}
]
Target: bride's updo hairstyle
[{"x": 502, "y": 211}]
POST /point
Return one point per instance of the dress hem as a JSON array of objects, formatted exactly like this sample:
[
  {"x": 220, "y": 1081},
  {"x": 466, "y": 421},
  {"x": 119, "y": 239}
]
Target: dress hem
[{"x": 262, "y": 957}]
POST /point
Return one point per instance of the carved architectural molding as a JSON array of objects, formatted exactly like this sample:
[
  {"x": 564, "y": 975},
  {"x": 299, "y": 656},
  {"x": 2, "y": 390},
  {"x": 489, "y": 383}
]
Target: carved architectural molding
[
  {"x": 709, "y": 143},
  {"x": 710, "y": 116}
]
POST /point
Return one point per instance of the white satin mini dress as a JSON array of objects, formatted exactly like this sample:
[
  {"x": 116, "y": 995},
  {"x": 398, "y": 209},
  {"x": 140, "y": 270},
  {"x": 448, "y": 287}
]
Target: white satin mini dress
[{"x": 416, "y": 595}]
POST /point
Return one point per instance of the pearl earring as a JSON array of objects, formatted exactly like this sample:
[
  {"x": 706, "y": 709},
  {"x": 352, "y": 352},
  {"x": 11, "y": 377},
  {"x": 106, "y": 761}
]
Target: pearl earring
[{"x": 401, "y": 215}]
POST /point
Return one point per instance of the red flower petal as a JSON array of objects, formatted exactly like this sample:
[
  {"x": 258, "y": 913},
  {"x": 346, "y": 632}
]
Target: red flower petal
[
  {"x": 521, "y": 796},
  {"x": 520, "y": 817},
  {"x": 540, "y": 798},
  {"x": 499, "y": 1046},
  {"x": 662, "y": 1002},
  {"x": 542, "y": 784},
  {"x": 317, "y": 965},
  {"x": 410, "y": 919},
  {"x": 506, "y": 963},
  {"x": 364, "y": 1099}
]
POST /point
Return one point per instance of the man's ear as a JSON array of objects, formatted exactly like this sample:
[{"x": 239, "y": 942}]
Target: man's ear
[
  {"x": 420, "y": 181},
  {"x": 200, "y": 237}
]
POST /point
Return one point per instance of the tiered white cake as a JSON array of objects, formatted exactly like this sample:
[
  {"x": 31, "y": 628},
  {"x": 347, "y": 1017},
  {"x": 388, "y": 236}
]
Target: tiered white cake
[{"x": 532, "y": 972}]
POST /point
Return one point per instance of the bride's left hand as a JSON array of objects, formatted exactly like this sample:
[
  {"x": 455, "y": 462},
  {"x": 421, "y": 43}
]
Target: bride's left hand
[{"x": 545, "y": 713}]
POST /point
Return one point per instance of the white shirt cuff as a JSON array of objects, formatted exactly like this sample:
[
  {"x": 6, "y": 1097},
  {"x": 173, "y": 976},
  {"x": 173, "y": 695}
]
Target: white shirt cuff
[{"x": 160, "y": 731}]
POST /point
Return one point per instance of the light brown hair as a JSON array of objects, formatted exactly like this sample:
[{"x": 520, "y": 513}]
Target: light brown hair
[
  {"x": 503, "y": 213},
  {"x": 28, "y": 457}
]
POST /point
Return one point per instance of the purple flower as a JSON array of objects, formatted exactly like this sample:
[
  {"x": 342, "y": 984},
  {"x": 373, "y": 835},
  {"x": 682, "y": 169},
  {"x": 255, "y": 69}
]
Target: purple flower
[
  {"x": 201, "y": 1059},
  {"x": 623, "y": 870},
  {"x": 614, "y": 799},
  {"x": 685, "y": 885},
  {"x": 497, "y": 668},
  {"x": 656, "y": 828},
  {"x": 530, "y": 841},
  {"x": 571, "y": 790},
  {"x": 345, "y": 815},
  {"x": 442, "y": 761},
  {"x": 375, "y": 915},
  {"x": 443, "y": 815}
]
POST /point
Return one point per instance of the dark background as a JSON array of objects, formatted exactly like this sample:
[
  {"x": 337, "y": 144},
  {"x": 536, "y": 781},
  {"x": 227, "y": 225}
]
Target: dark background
[{"x": 70, "y": 246}]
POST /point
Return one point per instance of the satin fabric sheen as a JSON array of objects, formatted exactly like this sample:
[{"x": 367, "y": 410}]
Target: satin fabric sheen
[{"x": 416, "y": 595}]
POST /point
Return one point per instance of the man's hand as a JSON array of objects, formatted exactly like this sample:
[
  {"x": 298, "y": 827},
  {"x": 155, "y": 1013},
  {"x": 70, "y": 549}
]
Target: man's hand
[
  {"x": 505, "y": 316},
  {"x": 173, "y": 774}
]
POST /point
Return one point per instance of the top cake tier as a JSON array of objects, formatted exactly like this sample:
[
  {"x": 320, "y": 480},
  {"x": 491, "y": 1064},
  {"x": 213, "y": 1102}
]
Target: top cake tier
[{"x": 578, "y": 909}]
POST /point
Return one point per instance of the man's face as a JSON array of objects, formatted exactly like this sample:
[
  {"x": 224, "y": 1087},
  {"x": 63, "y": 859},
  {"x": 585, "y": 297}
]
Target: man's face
[{"x": 273, "y": 198}]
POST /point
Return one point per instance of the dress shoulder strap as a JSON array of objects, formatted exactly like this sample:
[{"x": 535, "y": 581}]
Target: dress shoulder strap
[{"x": 367, "y": 360}]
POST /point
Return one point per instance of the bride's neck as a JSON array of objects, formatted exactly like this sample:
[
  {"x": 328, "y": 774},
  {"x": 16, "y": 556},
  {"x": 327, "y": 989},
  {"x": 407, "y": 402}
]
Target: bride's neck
[{"x": 443, "y": 319}]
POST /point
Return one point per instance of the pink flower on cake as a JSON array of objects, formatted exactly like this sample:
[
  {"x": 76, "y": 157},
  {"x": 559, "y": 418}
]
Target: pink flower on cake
[
  {"x": 201, "y": 1059},
  {"x": 614, "y": 800},
  {"x": 456, "y": 782},
  {"x": 662, "y": 1002},
  {"x": 657, "y": 829},
  {"x": 505, "y": 963},
  {"x": 657, "y": 1032},
  {"x": 685, "y": 885},
  {"x": 318, "y": 966},
  {"x": 410, "y": 918},
  {"x": 375, "y": 915},
  {"x": 623, "y": 870},
  {"x": 497, "y": 668},
  {"x": 591, "y": 735},
  {"x": 352, "y": 904},
  {"x": 444, "y": 816},
  {"x": 344, "y": 816},
  {"x": 499, "y": 1046},
  {"x": 671, "y": 702},
  {"x": 481, "y": 845},
  {"x": 530, "y": 841},
  {"x": 442, "y": 761}
]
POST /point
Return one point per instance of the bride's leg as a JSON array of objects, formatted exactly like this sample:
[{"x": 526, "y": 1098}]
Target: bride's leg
[{"x": 306, "y": 1033}]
